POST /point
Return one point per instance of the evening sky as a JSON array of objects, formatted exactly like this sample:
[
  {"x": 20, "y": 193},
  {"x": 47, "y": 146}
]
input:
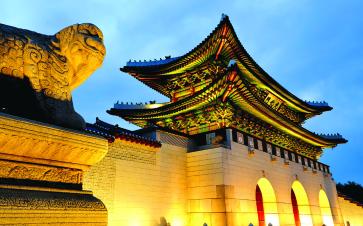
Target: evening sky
[{"x": 313, "y": 48}]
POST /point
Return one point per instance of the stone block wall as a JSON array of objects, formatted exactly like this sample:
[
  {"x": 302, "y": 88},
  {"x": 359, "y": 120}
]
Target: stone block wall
[
  {"x": 216, "y": 186},
  {"x": 352, "y": 213},
  {"x": 141, "y": 184},
  {"x": 222, "y": 187},
  {"x": 243, "y": 172},
  {"x": 206, "y": 190}
]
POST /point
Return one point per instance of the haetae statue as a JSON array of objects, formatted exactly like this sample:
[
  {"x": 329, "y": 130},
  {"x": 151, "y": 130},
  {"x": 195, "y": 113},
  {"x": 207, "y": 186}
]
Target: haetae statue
[{"x": 38, "y": 72}]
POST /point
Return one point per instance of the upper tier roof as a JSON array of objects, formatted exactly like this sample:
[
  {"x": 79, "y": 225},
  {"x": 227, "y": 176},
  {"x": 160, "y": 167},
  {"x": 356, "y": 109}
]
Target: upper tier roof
[
  {"x": 219, "y": 85},
  {"x": 222, "y": 43}
]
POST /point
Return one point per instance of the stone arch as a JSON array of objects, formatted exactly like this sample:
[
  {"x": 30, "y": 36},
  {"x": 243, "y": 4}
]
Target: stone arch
[
  {"x": 300, "y": 205},
  {"x": 268, "y": 201},
  {"x": 325, "y": 209}
]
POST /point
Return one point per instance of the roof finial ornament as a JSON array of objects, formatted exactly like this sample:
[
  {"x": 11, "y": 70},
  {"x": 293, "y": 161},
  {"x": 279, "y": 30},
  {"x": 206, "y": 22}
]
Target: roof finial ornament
[{"x": 223, "y": 16}]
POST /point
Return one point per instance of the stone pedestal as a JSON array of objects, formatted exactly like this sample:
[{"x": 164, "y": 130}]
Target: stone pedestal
[{"x": 41, "y": 170}]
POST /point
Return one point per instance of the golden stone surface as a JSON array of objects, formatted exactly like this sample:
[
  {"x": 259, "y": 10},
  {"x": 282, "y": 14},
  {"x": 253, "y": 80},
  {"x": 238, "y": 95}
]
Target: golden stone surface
[
  {"x": 38, "y": 72},
  {"x": 41, "y": 174},
  {"x": 54, "y": 65},
  {"x": 32, "y": 207},
  {"x": 32, "y": 142},
  {"x": 19, "y": 170}
]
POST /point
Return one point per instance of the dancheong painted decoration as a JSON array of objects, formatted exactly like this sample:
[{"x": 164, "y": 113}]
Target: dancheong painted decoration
[{"x": 218, "y": 85}]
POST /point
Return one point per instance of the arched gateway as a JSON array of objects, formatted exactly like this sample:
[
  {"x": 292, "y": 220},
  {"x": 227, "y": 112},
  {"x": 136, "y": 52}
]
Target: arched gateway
[
  {"x": 324, "y": 204},
  {"x": 300, "y": 205},
  {"x": 266, "y": 203}
]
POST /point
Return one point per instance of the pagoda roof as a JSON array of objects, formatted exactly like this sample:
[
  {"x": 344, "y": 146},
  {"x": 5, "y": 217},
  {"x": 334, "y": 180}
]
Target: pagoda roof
[
  {"x": 219, "y": 85},
  {"x": 222, "y": 43},
  {"x": 240, "y": 97}
]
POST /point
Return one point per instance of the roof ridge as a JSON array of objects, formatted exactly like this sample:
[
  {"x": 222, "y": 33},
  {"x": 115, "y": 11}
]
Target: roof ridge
[{"x": 116, "y": 132}]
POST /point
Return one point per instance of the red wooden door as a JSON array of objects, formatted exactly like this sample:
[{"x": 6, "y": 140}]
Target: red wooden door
[
  {"x": 259, "y": 204},
  {"x": 295, "y": 208}
]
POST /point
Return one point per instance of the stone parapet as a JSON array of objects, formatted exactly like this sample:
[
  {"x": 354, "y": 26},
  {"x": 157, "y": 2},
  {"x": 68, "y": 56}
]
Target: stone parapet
[
  {"x": 35, "y": 142},
  {"x": 41, "y": 174}
]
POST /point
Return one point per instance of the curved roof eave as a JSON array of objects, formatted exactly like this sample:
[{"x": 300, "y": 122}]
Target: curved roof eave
[
  {"x": 164, "y": 67},
  {"x": 170, "y": 109}
]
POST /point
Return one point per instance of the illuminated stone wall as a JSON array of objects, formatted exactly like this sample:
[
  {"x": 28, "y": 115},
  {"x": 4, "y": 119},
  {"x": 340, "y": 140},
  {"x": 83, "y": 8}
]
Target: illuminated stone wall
[
  {"x": 351, "y": 212},
  {"x": 141, "y": 184},
  {"x": 206, "y": 189},
  {"x": 217, "y": 186},
  {"x": 41, "y": 168},
  {"x": 222, "y": 185},
  {"x": 242, "y": 173}
]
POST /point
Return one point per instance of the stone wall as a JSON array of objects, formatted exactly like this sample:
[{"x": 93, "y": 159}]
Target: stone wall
[
  {"x": 222, "y": 187},
  {"x": 352, "y": 213},
  {"x": 243, "y": 171},
  {"x": 41, "y": 168},
  {"x": 141, "y": 184},
  {"x": 206, "y": 196},
  {"x": 216, "y": 186}
]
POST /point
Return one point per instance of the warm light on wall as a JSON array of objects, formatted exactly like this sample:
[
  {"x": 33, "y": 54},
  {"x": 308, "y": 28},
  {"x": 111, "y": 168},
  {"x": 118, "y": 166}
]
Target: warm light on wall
[
  {"x": 272, "y": 218},
  {"x": 303, "y": 203},
  {"x": 129, "y": 217},
  {"x": 177, "y": 222},
  {"x": 176, "y": 216},
  {"x": 199, "y": 219},
  {"x": 269, "y": 202},
  {"x": 351, "y": 212},
  {"x": 325, "y": 209},
  {"x": 305, "y": 220}
]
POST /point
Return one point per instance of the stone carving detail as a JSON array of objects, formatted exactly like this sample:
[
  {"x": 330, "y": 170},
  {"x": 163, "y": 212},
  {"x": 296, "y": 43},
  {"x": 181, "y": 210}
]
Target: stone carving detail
[
  {"x": 27, "y": 199},
  {"x": 50, "y": 67},
  {"x": 16, "y": 170}
]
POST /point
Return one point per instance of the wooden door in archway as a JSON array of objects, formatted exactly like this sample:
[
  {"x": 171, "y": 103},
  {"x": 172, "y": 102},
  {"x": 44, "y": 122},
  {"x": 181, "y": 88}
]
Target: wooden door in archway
[{"x": 259, "y": 204}]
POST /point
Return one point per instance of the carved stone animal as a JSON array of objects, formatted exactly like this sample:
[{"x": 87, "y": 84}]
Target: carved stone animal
[{"x": 38, "y": 72}]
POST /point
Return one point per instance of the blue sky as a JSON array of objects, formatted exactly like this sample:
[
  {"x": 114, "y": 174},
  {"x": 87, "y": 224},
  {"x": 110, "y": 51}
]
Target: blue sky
[{"x": 313, "y": 48}]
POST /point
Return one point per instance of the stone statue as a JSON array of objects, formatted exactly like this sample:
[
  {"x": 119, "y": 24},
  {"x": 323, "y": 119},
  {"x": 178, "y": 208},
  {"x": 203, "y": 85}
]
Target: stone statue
[{"x": 38, "y": 72}]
